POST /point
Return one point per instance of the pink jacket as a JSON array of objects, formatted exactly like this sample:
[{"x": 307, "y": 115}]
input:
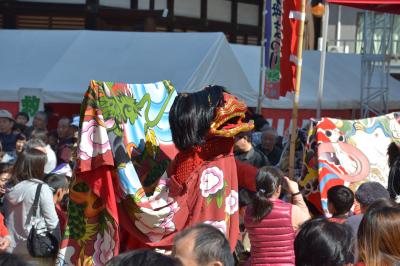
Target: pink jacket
[{"x": 272, "y": 239}]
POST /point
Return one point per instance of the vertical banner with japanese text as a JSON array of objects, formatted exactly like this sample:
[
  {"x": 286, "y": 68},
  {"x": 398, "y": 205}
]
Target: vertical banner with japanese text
[
  {"x": 282, "y": 19},
  {"x": 30, "y": 101},
  {"x": 273, "y": 44}
]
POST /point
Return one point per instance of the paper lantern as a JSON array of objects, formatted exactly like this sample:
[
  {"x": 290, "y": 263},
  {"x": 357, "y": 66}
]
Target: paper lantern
[{"x": 318, "y": 10}]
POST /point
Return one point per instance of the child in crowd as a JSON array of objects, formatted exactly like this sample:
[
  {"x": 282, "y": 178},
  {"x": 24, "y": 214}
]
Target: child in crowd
[
  {"x": 20, "y": 143},
  {"x": 340, "y": 201},
  {"x": 22, "y": 118},
  {"x": 5, "y": 175},
  {"x": 271, "y": 222},
  {"x": 60, "y": 186}
]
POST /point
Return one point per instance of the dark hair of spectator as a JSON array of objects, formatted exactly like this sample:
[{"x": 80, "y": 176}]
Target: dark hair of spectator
[
  {"x": 8, "y": 259},
  {"x": 246, "y": 134},
  {"x": 18, "y": 128},
  {"x": 30, "y": 163},
  {"x": 40, "y": 134},
  {"x": 342, "y": 199},
  {"x": 394, "y": 173},
  {"x": 268, "y": 181},
  {"x": 24, "y": 114},
  {"x": 21, "y": 136},
  {"x": 259, "y": 122},
  {"x": 6, "y": 168},
  {"x": 368, "y": 192},
  {"x": 379, "y": 237},
  {"x": 245, "y": 197},
  {"x": 381, "y": 203},
  {"x": 191, "y": 116},
  {"x": 321, "y": 242},
  {"x": 56, "y": 181},
  {"x": 143, "y": 257},
  {"x": 210, "y": 244}
]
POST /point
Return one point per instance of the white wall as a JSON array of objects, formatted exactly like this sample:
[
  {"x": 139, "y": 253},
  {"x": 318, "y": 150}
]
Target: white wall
[
  {"x": 247, "y": 14},
  {"x": 219, "y": 10},
  {"x": 57, "y": 1},
  {"x": 116, "y": 3},
  {"x": 187, "y": 8},
  {"x": 160, "y": 4},
  {"x": 348, "y": 21},
  {"x": 143, "y": 4}
]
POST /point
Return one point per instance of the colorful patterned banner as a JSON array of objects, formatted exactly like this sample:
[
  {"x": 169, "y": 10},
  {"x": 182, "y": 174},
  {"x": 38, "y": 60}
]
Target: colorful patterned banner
[
  {"x": 125, "y": 135},
  {"x": 347, "y": 152}
]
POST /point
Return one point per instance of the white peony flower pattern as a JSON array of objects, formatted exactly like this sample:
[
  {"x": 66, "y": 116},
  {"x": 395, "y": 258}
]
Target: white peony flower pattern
[
  {"x": 211, "y": 181},
  {"x": 232, "y": 203},
  {"x": 221, "y": 225}
]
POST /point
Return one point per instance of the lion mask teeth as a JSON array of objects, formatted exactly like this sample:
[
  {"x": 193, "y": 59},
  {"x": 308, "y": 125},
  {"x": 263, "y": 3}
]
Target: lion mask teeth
[{"x": 233, "y": 110}]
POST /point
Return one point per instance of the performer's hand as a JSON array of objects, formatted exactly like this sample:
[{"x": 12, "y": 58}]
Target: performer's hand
[
  {"x": 292, "y": 186},
  {"x": 4, "y": 243}
]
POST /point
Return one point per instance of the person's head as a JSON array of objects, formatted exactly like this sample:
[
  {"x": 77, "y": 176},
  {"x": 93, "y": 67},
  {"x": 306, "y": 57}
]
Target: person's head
[
  {"x": 268, "y": 139},
  {"x": 20, "y": 143},
  {"x": 202, "y": 245},
  {"x": 323, "y": 243},
  {"x": 243, "y": 142},
  {"x": 340, "y": 200},
  {"x": 40, "y": 120},
  {"x": 6, "y": 122},
  {"x": 52, "y": 139},
  {"x": 191, "y": 116},
  {"x": 370, "y": 192},
  {"x": 9, "y": 259},
  {"x": 394, "y": 172},
  {"x": 22, "y": 118},
  {"x": 381, "y": 203},
  {"x": 259, "y": 122},
  {"x": 74, "y": 127},
  {"x": 143, "y": 257},
  {"x": 40, "y": 134},
  {"x": 59, "y": 184},
  {"x": 268, "y": 184},
  {"x": 63, "y": 128},
  {"x": 31, "y": 162},
  {"x": 6, "y": 170},
  {"x": 378, "y": 236}
]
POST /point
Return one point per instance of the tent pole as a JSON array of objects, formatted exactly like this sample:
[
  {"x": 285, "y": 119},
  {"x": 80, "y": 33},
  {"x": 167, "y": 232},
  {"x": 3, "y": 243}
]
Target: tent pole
[
  {"x": 293, "y": 134},
  {"x": 322, "y": 60},
  {"x": 262, "y": 63}
]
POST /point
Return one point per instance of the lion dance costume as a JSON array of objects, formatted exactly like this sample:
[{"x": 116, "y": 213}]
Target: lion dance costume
[{"x": 128, "y": 190}]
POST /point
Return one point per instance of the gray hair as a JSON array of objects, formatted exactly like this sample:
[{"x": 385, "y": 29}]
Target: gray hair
[{"x": 270, "y": 130}]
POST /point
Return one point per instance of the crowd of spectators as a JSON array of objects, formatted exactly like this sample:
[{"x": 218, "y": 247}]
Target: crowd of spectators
[{"x": 276, "y": 225}]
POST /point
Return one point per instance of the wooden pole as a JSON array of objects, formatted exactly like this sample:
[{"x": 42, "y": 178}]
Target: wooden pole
[
  {"x": 293, "y": 134},
  {"x": 262, "y": 63}
]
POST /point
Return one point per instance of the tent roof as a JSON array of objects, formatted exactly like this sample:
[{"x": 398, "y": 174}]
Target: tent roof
[
  {"x": 388, "y": 6},
  {"x": 62, "y": 62},
  {"x": 342, "y": 80}
]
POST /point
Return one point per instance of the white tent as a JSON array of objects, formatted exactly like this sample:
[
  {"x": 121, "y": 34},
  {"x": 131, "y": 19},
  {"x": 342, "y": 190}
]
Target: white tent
[
  {"x": 63, "y": 62},
  {"x": 342, "y": 80}
]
